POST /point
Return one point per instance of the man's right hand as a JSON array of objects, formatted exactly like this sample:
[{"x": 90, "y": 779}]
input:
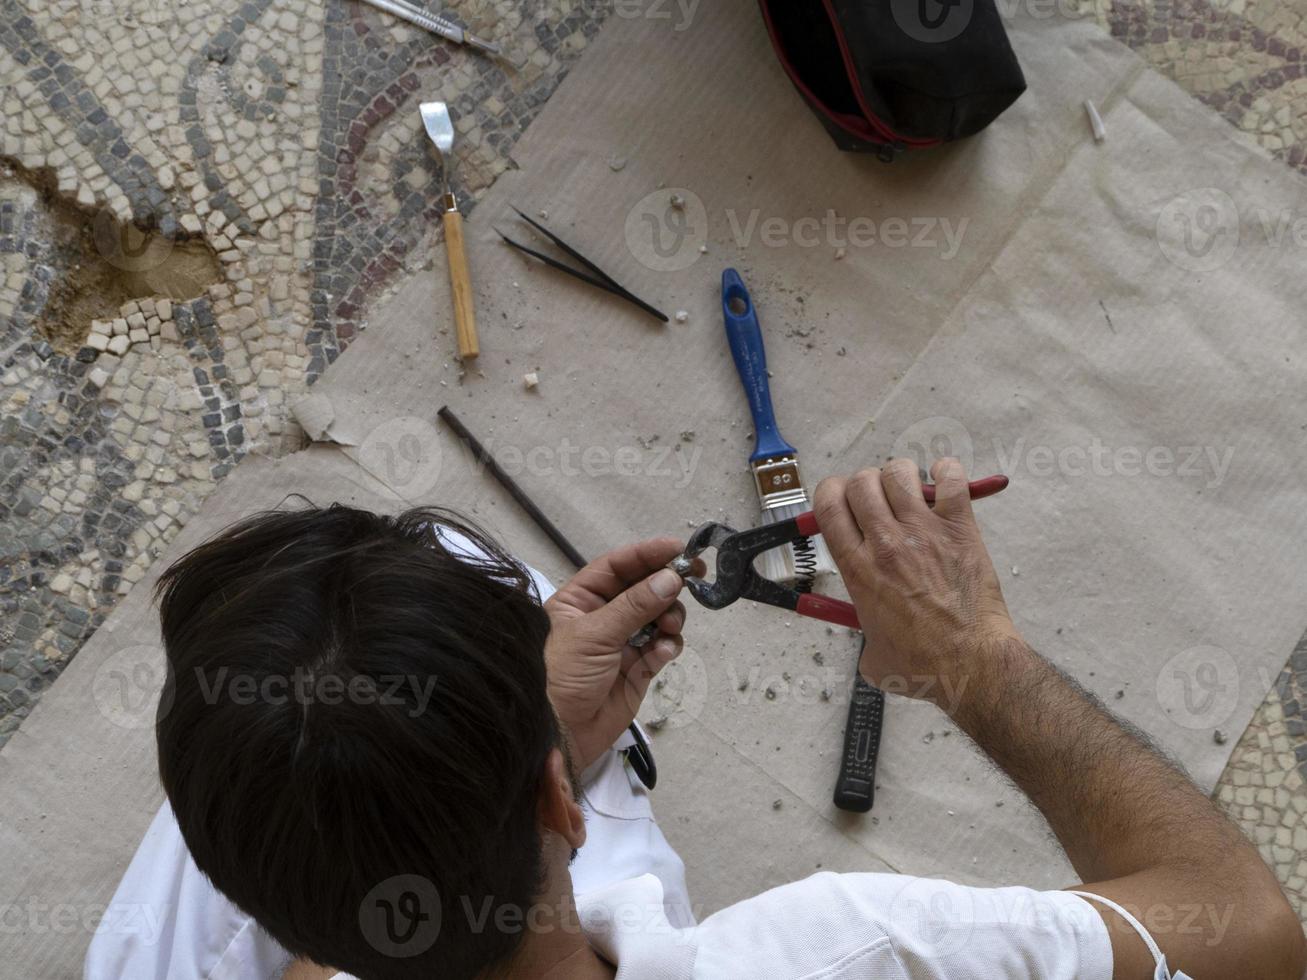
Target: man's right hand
[
  {"x": 1136, "y": 829},
  {"x": 921, "y": 579}
]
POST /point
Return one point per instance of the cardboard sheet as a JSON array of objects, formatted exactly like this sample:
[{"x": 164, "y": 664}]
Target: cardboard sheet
[
  {"x": 1027, "y": 294},
  {"x": 1027, "y": 300}
]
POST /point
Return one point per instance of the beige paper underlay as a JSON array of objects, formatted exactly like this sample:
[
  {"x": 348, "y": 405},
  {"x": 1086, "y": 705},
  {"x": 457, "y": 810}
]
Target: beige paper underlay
[
  {"x": 1140, "y": 400},
  {"x": 1057, "y": 339}
]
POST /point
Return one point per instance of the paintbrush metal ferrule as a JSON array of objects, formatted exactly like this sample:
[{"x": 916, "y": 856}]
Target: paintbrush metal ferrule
[{"x": 778, "y": 481}]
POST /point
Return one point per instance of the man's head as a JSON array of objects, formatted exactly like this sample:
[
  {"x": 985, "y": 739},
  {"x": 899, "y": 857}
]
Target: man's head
[{"x": 354, "y": 711}]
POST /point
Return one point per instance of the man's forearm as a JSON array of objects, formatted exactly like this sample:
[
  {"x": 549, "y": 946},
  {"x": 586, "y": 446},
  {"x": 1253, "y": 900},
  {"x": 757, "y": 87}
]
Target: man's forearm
[
  {"x": 1133, "y": 825},
  {"x": 1116, "y": 804},
  {"x": 1138, "y": 831}
]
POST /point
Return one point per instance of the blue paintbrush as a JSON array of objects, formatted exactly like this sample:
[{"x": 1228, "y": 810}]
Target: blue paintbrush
[{"x": 775, "y": 463}]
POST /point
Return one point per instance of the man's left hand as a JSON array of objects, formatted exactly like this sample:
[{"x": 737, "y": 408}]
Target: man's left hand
[{"x": 596, "y": 679}]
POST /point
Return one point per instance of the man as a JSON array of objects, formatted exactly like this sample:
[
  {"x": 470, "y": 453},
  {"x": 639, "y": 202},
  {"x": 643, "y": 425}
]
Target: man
[
  {"x": 174, "y": 924},
  {"x": 349, "y": 830}
]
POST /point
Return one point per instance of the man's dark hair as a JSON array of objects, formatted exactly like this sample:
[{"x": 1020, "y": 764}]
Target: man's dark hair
[{"x": 355, "y": 722}]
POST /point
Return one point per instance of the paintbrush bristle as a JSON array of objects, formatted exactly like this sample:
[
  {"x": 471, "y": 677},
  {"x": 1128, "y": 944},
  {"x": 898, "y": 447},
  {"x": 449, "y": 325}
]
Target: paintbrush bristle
[
  {"x": 799, "y": 565},
  {"x": 782, "y": 496}
]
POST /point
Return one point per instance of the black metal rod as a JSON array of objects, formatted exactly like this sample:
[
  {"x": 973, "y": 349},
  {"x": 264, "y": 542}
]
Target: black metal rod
[
  {"x": 639, "y": 755},
  {"x": 509, "y": 484}
]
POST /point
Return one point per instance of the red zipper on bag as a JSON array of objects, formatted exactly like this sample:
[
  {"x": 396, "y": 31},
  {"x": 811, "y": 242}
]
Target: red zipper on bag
[{"x": 871, "y": 128}]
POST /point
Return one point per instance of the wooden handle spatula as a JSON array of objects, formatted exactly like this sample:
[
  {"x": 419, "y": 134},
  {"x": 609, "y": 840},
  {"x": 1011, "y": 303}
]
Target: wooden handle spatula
[
  {"x": 440, "y": 127},
  {"x": 460, "y": 280}
]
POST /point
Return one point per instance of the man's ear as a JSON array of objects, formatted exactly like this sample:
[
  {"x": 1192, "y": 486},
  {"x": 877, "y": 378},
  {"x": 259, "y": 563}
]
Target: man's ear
[{"x": 558, "y": 809}]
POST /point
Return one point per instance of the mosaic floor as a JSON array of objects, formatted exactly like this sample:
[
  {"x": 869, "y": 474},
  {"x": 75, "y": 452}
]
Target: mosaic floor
[{"x": 276, "y": 151}]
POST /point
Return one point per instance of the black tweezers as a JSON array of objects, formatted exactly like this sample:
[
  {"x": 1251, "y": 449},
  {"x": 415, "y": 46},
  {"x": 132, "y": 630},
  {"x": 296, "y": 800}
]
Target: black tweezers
[{"x": 595, "y": 277}]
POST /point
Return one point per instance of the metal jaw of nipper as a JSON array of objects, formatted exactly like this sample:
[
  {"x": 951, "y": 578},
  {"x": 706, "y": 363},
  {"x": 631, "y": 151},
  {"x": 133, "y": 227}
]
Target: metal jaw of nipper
[{"x": 737, "y": 578}]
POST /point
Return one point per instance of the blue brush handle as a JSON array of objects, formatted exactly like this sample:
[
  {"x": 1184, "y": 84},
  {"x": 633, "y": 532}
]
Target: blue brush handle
[{"x": 744, "y": 335}]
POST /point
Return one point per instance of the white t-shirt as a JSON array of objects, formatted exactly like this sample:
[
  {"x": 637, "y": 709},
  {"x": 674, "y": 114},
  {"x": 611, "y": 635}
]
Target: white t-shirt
[{"x": 853, "y": 927}]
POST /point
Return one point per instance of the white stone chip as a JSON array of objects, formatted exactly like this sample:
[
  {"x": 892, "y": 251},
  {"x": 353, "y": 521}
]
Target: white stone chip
[{"x": 1095, "y": 121}]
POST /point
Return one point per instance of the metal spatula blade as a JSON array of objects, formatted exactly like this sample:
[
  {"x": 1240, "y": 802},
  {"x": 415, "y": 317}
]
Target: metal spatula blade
[{"x": 435, "y": 116}]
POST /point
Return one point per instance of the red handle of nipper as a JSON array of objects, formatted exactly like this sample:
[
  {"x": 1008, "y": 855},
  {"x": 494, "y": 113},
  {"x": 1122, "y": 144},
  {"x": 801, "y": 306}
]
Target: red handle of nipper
[
  {"x": 829, "y": 610},
  {"x": 987, "y": 487},
  {"x": 807, "y": 524}
]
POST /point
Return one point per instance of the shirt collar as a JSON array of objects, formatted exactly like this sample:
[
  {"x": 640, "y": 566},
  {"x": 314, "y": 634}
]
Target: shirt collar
[{"x": 627, "y": 925}]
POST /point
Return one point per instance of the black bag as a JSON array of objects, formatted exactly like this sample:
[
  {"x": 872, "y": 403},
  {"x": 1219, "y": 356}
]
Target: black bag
[{"x": 888, "y": 75}]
